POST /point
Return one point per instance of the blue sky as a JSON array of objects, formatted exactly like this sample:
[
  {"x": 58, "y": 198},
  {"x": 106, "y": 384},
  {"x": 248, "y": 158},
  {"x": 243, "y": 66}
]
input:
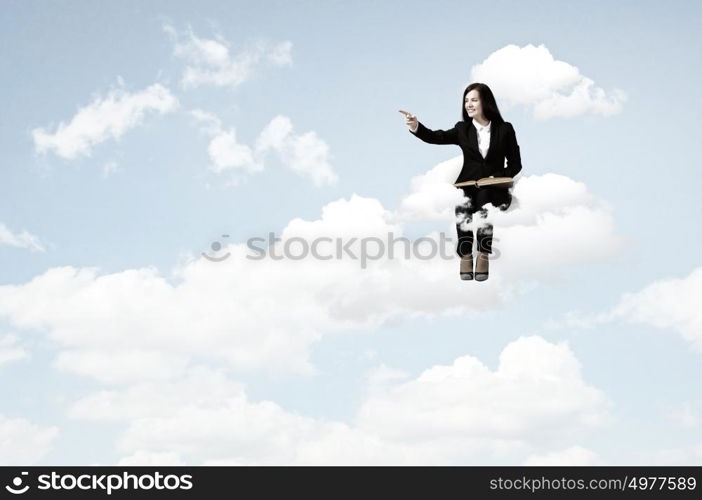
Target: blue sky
[{"x": 290, "y": 117}]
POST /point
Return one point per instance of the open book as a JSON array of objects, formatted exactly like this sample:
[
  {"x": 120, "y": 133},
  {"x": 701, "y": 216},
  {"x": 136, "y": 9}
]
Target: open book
[{"x": 505, "y": 182}]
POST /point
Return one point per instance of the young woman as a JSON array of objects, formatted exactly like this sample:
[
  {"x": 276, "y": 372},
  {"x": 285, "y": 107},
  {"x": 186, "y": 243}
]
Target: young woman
[{"x": 486, "y": 141}]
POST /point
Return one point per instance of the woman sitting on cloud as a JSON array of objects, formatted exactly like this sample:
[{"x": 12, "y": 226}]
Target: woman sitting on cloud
[{"x": 486, "y": 141}]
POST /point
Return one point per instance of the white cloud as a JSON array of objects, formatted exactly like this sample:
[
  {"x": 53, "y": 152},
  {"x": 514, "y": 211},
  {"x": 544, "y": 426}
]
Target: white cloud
[
  {"x": 197, "y": 386},
  {"x": 572, "y": 456},
  {"x": 201, "y": 416},
  {"x": 222, "y": 311},
  {"x": 105, "y": 118},
  {"x": 20, "y": 240},
  {"x": 224, "y": 150},
  {"x": 548, "y": 211},
  {"x": 210, "y": 123},
  {"x": 139, "y": 330},
  {"x": 531, "y": 76},
  {"x": 10, "y": 351},
  {"x": 671, "y": 304},
  {"x": 535, "y": 394},
  {"x": 461, "y": 413},
  {"x": 226, "y": 153},
  {"x": 108, "y": 366},
  {"x": 306, "y": 154},
  {"x": 210, "y": 62},
  {"x": 22, "y": 442},
  {"x": 432, "y": 195}
]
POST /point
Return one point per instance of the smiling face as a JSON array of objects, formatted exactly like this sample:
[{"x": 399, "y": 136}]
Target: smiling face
[{"x": 473, "y": 106}]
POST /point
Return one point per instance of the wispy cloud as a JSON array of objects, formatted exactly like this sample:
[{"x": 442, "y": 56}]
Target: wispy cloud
[
  {"x": 20, "y": 240},
  {"x": 107, "y": 117},
  {"x": 530, "y": 76},
  {"x": 670, "y": 304},
  {"x": 110, "y": 168},
  {"x": 226, "y": 153},
  {"x": 306, "y": 154},
  {"x": 209, "y": 61}
]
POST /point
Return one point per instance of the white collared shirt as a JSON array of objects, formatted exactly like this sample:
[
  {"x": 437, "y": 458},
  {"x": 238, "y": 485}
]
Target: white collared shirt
[{"x": 483, "y": 137}]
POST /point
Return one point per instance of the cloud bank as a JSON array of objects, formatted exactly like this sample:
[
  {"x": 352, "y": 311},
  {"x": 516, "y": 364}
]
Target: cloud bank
[
  {"x": 449, "y": 414},
  {"x": 209, "y": 62},
  {"x": 221, "y": 311}
]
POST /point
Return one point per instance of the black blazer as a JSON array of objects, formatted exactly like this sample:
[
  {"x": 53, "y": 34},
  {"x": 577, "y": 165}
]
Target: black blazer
[{"x": 503, "y": 145}]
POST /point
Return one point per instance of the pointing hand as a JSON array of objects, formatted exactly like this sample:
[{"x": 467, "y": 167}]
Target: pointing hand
[{"x": 410, "y": 120}]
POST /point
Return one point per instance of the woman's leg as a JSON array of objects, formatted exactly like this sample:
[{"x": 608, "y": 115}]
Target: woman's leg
[
  {"x": 501, "y": 198},
  {"x": 464, "y": 216},
  {"x": 464, "y": 248}
]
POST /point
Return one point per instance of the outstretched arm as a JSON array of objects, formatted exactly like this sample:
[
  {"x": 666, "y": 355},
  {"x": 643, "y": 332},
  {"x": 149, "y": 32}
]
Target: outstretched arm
[
  {"x": 514, "y": 160},
  {"x": 437, "y": 136},
  {"x": 431, "y": 136}
]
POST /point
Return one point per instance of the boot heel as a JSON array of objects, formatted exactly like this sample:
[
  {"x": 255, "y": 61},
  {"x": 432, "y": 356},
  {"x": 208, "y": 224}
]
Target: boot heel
[
  {"x": 482, "y": 262},
  {"x": 466, "y": 270}
]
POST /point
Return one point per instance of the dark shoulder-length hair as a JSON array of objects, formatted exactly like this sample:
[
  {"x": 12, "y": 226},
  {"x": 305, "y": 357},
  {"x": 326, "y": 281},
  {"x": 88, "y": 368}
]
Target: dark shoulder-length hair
[{"x": 487, "y": 99}]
